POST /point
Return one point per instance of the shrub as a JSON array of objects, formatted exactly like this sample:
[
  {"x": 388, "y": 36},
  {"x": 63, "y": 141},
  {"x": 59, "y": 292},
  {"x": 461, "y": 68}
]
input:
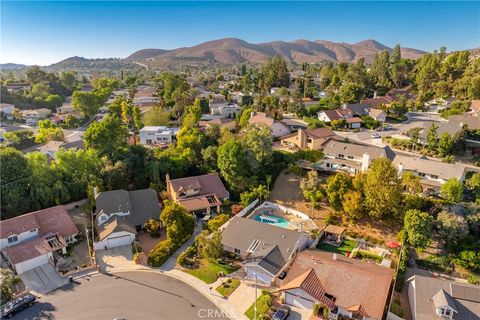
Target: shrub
[
  {"x": 396, "y": 308},
  {"x": 367, "y": 255},
  {"x": 217, "y": 222},
  {"x": 152, "y": 226},
  {"x": 159, "y": 255},
  {"x": 473, "y": 279},
  {"x": 236, "y": 208}
]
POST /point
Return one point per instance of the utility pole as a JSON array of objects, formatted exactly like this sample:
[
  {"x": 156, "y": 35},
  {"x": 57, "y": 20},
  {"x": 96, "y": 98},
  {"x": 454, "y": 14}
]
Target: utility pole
[{"x": 255, "y": 306}]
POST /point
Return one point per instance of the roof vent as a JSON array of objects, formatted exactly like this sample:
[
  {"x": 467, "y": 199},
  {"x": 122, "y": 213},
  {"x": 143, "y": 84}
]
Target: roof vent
[{"x": 284, "y": 236}]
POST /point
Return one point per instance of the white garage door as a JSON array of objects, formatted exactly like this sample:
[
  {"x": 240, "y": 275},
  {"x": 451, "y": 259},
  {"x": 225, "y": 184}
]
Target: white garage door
[
  {"x": 297, "y": 301},
  {"x": 119, "y": 241},
  {"x": 31, "y": 264}
]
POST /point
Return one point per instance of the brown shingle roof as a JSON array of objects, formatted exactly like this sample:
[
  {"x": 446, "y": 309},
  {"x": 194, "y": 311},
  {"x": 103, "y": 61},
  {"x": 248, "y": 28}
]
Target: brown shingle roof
[
  {"x": 208, "y": 184},
  {"x": 350, "y": 281},
  {"x": 50, "y": 220},
  {"x": 261, "y": 118},
  {"x": 320, "y": 133},
  {"x": 31, "y": 249}
]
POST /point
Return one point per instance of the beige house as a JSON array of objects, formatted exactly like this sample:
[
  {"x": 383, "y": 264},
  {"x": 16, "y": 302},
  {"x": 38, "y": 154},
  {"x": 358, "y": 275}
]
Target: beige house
[
  {"x": 311, "y": 139},
  {"x": 378, "y": 114},
  {"x": 277, "y": 128}
]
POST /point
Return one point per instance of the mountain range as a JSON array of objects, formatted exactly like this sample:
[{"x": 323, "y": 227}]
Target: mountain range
[{"x": 231, "y": 51}]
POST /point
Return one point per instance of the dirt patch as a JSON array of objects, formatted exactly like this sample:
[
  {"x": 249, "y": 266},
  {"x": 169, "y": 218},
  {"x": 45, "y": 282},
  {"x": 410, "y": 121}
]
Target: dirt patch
[
  {"x": 287, "y": 192},
  {"x": 374, "y": 229},
  {"x": 147, "y": 242}
]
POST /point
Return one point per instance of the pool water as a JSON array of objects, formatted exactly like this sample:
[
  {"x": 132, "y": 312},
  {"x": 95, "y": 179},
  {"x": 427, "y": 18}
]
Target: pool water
[{"x": 272, "y": 219}]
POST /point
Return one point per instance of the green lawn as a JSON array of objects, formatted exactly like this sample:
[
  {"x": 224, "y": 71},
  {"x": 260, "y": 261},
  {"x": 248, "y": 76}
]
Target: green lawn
[
  {"x": 347, "y": 246},
  {"x": 228, "y": 287},
  {"x": 208, "y": 270},
  {"x": 264, "y": 302}
]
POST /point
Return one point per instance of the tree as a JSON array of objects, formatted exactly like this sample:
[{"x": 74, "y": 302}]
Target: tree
[
  {"x": 209, "y": 245},
  {"x": 453, "y": 227},
  {"x": 259, "y": 192},
  {"x": 257, "y": 142},
  {"x": 156, "y": 116},
  {"x": 382, "y": 189},
  {"x": 7, "y": 280},
  {"x": 274, "y": 73},
  {"x": 445, "y": 144},
  {"x": 178, "y": 221},
  {"x": 48, "y": 131},
  {"x": 411, "y": 182},
  {"x": 452, "y": 190},
  {"x": 14, "y": 180},
  {"x": 352, "y": 204},
  {"x": 107, "y": 137},
  {"x": 432, "y": 137},
  {"x": 88, "y": 103},
  {"x": 233, "y": 165},
  {"x": 418, "y": 226},
  {"x": 337, "y": 186},
  {"x": 351, "y": 93}
]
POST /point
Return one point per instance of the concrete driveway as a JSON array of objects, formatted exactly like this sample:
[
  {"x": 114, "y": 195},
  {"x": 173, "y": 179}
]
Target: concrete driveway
[
  {"x": 244, "y": 296},
  {"x": 114, "y": 259},
  {"x": 297, "y": 313},
  {"x": 42, "y": 279}
]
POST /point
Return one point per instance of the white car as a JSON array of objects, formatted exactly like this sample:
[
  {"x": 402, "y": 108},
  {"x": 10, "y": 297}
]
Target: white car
[{"x": 375, "y": 135}]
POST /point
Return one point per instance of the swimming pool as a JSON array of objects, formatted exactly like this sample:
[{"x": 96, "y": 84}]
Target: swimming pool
[{"x": 272, "y": 219}]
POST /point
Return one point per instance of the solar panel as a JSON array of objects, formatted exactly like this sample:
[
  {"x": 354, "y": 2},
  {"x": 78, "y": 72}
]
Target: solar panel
[{"x": 465, "y": 293}]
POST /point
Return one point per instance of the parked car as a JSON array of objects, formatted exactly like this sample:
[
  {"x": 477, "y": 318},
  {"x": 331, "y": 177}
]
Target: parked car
[
  {"x": 17, "y": 305},
  {"x": 375, "y": 135},
  {"x": 281, "y": 313}
]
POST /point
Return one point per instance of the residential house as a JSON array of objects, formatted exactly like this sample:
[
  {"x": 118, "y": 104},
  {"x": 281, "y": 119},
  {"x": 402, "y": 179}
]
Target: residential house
[
  {"x": 455, "y": 124},
  {"x": 6, "y": 109},
  {"x": 475, "y": 107},
  {"x": 376, "y": 102},
  {"x": 120, "y": 214},
  {"x": 354, "y": 122},
  {"x": 350, "y": 157},
  {"x": 307, "y": 139},
  {"x": 225, "y": 109},
  {"x": 336, "y": 114},
  {"x": 356, "y": 109},
  {"x": 146, "y": 101},
  {"x": 349, "y": 287},
  {"x": 265, "y": 249},
  {"x": 436, "y": 298},
  {"x": 277, "y": 128},
  {"x": 17, "y": 86},
  {"x": 274, "y": 90},
  {"x": 31, "y": 240},
  {"x": 199, "y": 194},
  {"x": 65, "y": 109},
  {"x": 432, "y": 173},
  {"x": 294, "y": 123},
  {"x": 378, "y": 114},
  {"x": 157, "y": 135},
  {"x": 33, "y": 116}
]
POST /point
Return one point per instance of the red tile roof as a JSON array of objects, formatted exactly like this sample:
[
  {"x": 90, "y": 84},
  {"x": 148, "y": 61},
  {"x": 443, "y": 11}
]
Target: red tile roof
[
  {"x": 261, "y": 118},
  {"x": 50, "y": 220}
]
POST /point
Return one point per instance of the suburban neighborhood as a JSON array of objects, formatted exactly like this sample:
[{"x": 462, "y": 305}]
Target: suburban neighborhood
[{"x": 226, "y": 179}]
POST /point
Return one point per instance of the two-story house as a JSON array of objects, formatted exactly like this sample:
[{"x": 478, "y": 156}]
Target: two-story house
[
  {"x": 307, "y": 139},
  {"x": 199, "y": 194},
  {"x": 225, "y": 109},
  {"x": 277, "y": 128},
  {"x": 351, "y": 157},
  {"x": 33, "y": 116},
  {"x": 120, "y": 214},
  {"x": 157, "y": 135},
  {"x": 30, "y": 240}
]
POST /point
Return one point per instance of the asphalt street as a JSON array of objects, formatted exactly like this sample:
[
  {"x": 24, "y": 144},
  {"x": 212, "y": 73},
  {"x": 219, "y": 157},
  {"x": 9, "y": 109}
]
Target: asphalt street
[{"x": 126, "y": 295}]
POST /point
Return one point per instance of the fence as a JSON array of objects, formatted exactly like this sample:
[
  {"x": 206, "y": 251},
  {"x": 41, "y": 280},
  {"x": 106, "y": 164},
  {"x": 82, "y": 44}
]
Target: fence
[{"x": 247, "y": 209}]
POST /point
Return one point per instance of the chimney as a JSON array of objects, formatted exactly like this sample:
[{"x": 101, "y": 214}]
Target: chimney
[
  {"x": 375, "y": 94},
  {"x": 252, "y": 114},
  {"x": 335, "y": 256},
  {"x": 365, "y": 161},
  {"x": 167, "y": 177},
  {"x": 95, "y": 192}
]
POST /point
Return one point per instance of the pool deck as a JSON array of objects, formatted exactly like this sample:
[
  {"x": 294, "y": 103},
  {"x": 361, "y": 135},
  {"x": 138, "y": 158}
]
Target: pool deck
[{"x": 294, "y": 222}]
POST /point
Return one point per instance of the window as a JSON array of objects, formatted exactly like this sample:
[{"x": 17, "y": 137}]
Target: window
[
  {"x": 12, "y": 239},
  {"x": 350, "y": 157},
  {"x": 33, "y": 230},
  {"x": 446, "y": 312},
  {"x": 341, "y": 156},
  {"x": 237, "y": 251}
]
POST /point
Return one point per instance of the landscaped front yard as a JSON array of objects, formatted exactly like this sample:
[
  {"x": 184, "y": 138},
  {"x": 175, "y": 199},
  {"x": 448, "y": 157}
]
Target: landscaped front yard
[
  {"x": 347, "y": 246},
  {"x": 226, "y": 288},
  {"x": 208, "y": 270},
  {"x": 264, "y": 302}
]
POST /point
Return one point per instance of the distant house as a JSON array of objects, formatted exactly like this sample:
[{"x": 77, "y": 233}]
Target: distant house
[
  {"x": 120, "y": 214},
  {"x": 225, "y": 110},
  {"x": 294, "y": 123},
  {"x": 354, "y": 122},
  {"x": 31, "y": 240},
  {"x": 432, "y": 173},
  {"x": 376, "y": 102},
  {"x": 348, "y": 287},
  {"x": 436, "y": 298},
  {"x": 33, "y": 116},
  {"x": 356, "y": 109},
  {"x": 274, "y": 90},
  {"x": 17, "y": 86},
  {"x": 378, "y": 114},
  {"x": 277, "y": 128},
  {"x": 264, "y": 248},
  {"x": 7, "y": 109},
  {"x": 307, "y": 139},
  {"x": 199, "y": 194},
  {"x": 351, "y": 157},
  {"x": 157, "y": 135},
  {"x": 65, "y": 108},
  {"x": 336, "y": 114},
  {"x": 475, "y": 106},
  {"x": 146, "y": 101}
]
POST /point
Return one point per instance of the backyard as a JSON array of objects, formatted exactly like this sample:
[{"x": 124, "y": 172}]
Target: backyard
[
  {"x": 208, "y": 270},
  {"x": 347, "y": 246}
]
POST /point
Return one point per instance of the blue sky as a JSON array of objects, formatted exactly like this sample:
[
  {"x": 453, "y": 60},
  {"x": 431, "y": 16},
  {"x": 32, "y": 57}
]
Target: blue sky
[{"x": 46, "y": 32}]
